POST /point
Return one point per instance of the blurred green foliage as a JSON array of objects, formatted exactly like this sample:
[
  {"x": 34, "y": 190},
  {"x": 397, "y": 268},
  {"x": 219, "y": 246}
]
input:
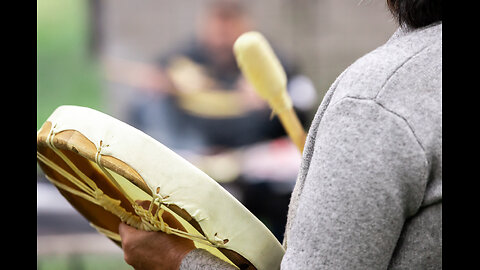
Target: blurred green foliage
[{"x": 67, "y": 73}]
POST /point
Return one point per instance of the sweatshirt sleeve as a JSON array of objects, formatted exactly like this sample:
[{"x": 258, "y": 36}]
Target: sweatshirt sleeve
[
  {"x": 367, "y": 175},
  {"x": 199, "y": 259}
]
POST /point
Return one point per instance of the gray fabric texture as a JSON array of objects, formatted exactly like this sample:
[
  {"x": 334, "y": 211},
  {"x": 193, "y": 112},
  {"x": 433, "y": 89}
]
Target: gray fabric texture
[{"x": 369, "y": 190}]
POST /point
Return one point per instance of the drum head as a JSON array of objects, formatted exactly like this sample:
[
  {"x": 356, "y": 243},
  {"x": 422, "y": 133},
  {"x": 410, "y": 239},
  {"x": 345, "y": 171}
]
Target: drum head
[{"x": 82, "y": 153}]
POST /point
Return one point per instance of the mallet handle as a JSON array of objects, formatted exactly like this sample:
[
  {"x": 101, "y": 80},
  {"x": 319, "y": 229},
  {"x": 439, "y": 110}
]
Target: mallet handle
[{"x": 294, "y": 129}]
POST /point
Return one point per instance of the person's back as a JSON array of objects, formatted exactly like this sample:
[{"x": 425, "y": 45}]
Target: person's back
[
  {"x": 384, "y": 115},
  {"x": 420, "y": 244},
  {"x": 416, "y": 97}
]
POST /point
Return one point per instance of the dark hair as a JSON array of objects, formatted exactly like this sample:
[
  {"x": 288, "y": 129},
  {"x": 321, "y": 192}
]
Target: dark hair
[{"x": 416, "y": 13}]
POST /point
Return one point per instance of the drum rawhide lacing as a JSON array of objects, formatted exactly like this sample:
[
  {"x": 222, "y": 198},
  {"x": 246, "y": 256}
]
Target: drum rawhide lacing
[{"x": 143, "y": 220}]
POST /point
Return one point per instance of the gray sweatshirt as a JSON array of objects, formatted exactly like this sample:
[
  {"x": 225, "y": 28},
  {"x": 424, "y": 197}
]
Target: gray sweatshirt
[{"x": 369, "y": 191}]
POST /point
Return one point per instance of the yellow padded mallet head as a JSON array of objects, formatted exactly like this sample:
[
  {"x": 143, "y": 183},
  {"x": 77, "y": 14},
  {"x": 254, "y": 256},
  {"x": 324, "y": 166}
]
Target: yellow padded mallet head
[{"x": 263, "y": 70}]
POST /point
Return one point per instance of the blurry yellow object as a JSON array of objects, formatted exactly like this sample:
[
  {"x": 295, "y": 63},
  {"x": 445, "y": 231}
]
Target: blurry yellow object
[
  {"x": 199, "y": 94},
  {"x": 189, "y": 76},
  {"x": 263, "y": 70},
  {"x": 213, "y": 103}
]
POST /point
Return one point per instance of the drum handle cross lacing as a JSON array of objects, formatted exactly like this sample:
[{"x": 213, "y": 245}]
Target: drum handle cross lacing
[{"x": 144, "y": 220}]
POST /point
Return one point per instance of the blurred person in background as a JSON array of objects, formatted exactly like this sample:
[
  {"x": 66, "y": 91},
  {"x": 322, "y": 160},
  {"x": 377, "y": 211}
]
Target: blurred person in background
[
  {"x": 198, "y": 103},
  {"x": 369, "y": 192}
]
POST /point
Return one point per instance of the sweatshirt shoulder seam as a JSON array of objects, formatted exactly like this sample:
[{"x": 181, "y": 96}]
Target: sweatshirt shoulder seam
[
  {"x": 396, "y": 115},
  {"x": 383, "y": 107}
]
